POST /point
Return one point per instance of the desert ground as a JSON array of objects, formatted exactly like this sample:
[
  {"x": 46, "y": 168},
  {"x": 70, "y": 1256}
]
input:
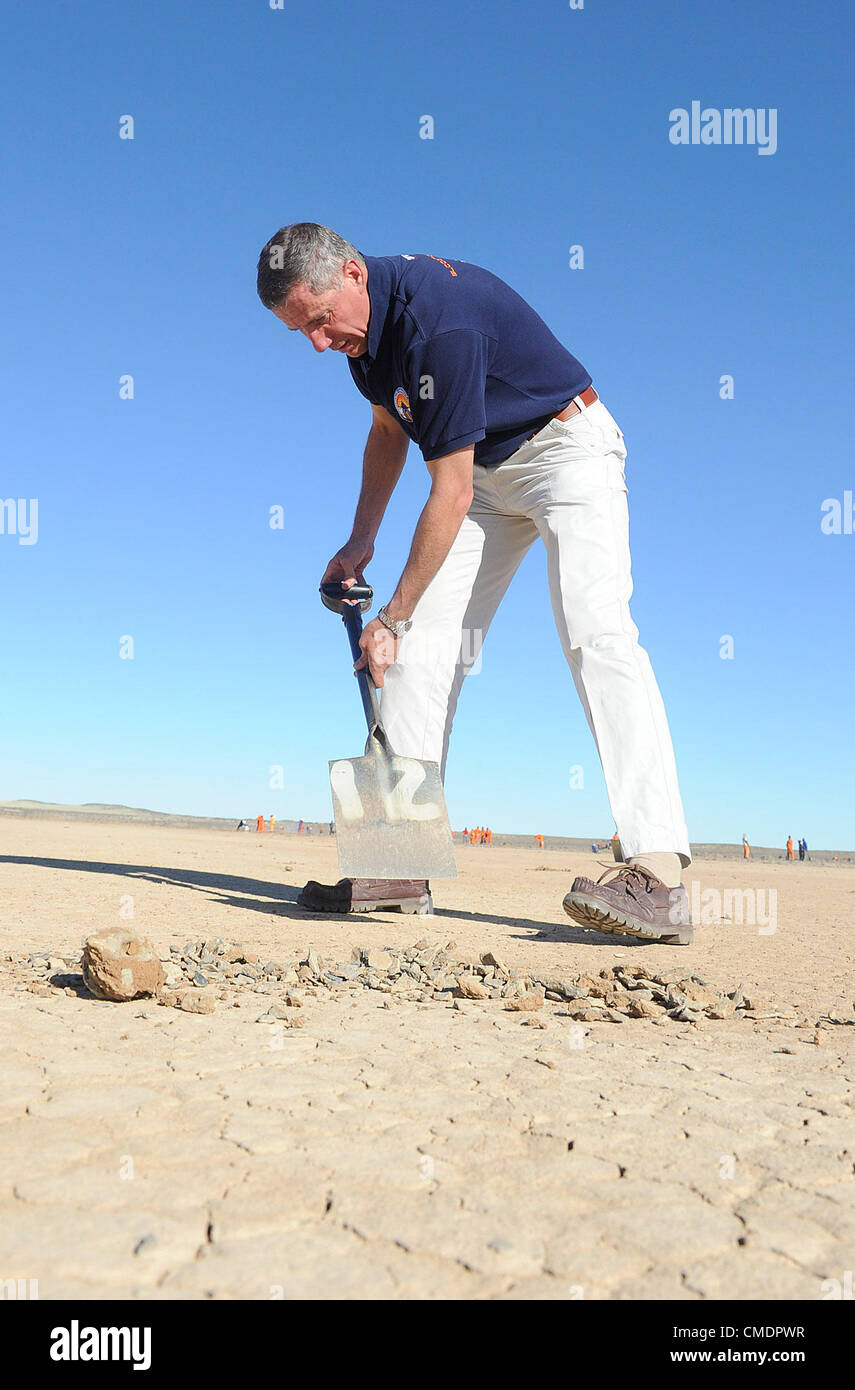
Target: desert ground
[{"x": 409, "y": 1145}]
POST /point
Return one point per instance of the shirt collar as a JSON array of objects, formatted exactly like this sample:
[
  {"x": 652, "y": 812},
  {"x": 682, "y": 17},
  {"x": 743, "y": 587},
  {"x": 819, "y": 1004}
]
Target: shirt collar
[{"x": 381, "y": 286}]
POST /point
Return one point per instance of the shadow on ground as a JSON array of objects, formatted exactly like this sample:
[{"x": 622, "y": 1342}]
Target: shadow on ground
[{"x": 257, "y": 895}]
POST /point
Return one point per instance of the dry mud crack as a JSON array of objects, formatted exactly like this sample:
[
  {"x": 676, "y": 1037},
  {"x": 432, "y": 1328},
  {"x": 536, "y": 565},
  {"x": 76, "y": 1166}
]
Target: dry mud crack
[{"x": 496, "y": 1118}]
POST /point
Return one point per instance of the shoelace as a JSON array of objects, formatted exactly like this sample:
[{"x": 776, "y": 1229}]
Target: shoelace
[{"x": 635, "y": 876}]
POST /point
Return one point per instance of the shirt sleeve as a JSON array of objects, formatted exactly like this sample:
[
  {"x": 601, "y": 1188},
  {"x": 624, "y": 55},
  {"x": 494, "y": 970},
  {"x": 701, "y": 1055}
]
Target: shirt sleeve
[{"x": 447, "y": 380}]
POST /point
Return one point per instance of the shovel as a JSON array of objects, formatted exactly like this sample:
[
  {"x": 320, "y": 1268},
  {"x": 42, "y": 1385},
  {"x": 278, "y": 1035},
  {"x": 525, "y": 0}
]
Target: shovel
[{"x": 390, "y": 815}]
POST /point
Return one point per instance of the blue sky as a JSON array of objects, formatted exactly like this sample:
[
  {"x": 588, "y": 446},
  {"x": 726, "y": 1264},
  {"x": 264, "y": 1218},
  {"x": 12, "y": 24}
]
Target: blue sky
[{"x": 551, "y": 129}]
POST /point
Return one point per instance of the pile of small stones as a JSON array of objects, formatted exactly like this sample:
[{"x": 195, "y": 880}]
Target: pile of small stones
[{"x": 203, "y": 972}]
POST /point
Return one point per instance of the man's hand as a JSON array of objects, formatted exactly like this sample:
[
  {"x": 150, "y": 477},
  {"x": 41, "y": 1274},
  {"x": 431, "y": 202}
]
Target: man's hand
[
  {"x": 379, "y": 650},
  {"x": 347, "y": 564}
]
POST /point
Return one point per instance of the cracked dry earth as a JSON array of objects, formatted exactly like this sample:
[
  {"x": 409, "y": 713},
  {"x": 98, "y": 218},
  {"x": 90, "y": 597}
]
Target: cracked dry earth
[{"x": 391, "y": 1148}]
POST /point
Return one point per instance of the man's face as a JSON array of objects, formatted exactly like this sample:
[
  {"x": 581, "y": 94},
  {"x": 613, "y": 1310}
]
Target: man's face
[{"x": 336, "y": 318}]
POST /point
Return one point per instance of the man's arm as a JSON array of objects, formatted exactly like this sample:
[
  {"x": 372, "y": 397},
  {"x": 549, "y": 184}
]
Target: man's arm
[
  {"x": 383, "y": 460},
  {"x": 448, "y": 502}
]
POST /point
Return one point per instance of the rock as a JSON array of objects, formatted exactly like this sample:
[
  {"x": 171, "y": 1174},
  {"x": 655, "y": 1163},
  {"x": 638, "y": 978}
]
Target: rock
[
  {"x": 721, "y": 1008},
  {"x": 618, "y": 999},
  {"x": 489, "y": 959},
  {"x": 584, "y": 1011},
  {"x": 684, "y": 1013},
  {"x": 592, "y": 987},
  {"x": 379, "y": 960},
  {"x": 469, "y": 988},
  {"x": 195, "y": 1001},
  {"x": 759, "y": 1003},
  {"x": 527, "y": 1002},
  {"x": 559, "y": 987},
  {"x": 644, "y": 1008},
  {"x": 697, "y": 993},
  {"x": 117, "y": 965}
]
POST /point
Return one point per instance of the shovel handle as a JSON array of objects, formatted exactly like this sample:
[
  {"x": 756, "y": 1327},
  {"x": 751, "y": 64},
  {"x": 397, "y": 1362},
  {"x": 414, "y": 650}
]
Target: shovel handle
[
  {"x": 335, "y": 597},
  {"x": 341, "y": 600}
]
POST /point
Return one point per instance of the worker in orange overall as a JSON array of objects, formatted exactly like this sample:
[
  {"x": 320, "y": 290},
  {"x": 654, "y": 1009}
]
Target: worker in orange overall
[
  {"x": 272, "y": 824},
  {"x": 538, "y": 840},
  {"x": 259, "y": 824},
  {"x": 790, "y": 854},
  {"x": 746, "y": 848},
  {"x": 488, "y": 832}
]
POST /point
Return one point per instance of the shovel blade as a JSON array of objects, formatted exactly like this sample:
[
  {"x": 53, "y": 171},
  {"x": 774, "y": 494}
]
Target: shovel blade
[{"x": 390, "y": 818}]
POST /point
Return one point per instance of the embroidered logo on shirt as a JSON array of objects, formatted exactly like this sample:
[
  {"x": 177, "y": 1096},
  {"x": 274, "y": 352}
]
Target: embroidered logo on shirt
[{"x": 402, "y": 404}]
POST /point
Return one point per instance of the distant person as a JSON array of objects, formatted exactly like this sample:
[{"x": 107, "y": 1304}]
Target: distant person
[
  {"x": 259, "y": 824},
  {"x": 790, "y": 854},
  {"x": 272, "y": 824},
  {"x": 802, "y": 850},
  {"x": 299, "y": 827},
  {"x": 466, "y": 832},
  {"x": 746, "y": 848},
  {"x": 489, "y": 836},
  {"x": 538, "y": 840},
  {"x": 332, "y": 828}
]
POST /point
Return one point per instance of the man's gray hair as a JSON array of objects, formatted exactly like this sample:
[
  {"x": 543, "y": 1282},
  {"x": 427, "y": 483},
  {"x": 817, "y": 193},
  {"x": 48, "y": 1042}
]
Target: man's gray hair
[{"x": 305, "y": 253}]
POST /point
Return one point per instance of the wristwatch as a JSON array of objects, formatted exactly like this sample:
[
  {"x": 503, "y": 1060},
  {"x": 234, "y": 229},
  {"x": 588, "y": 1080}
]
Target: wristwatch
[{"x": 397, "y": 625}]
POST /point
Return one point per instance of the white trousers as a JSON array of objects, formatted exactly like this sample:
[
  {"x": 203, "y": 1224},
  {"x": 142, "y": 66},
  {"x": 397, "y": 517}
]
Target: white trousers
[{"x": 567, "y": 486}]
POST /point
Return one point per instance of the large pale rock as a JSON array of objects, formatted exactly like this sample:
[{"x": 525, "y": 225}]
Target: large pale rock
[
  {"x": 468, "y": 988},
  {"x": 532, "y": 999},
  {"x": 118, "y": 965}
]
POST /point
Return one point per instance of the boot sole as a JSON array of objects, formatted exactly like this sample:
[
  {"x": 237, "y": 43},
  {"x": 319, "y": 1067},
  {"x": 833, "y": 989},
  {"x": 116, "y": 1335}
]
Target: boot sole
[
  {"x": 583, "y": 911},
  {"x": 420, "y": 907}
]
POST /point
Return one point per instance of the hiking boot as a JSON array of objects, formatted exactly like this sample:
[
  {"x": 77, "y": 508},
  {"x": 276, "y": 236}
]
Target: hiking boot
[
  {"x": 632, "y": 901},
  {"x": 368, "y": 895}
]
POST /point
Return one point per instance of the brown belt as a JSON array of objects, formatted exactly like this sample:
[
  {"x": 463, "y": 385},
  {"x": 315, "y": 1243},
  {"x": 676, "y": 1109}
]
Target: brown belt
[{"x": 587, "y": 397}]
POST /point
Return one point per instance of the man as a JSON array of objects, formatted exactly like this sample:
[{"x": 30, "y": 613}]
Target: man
[
  {"x": 790, "y": 855},
  {"x": 518, "y": 446}
]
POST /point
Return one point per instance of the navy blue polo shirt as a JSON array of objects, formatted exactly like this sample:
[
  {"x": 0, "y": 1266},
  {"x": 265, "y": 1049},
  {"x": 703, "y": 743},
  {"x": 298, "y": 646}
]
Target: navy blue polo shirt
[{"x": 458, "y": 357}]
